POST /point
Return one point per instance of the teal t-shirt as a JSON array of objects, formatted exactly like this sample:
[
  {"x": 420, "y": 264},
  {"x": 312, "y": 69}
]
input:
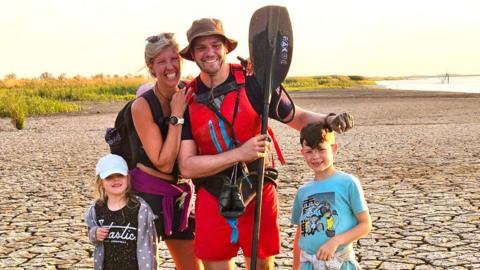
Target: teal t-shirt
[{"x": 327, "y": 208}]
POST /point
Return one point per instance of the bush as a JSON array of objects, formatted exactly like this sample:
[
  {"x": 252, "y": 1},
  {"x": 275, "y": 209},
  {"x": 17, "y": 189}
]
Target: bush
[
  {"x": 20, "y": 98},
  {"x": 327, "y": 81},
  {"x": 356, "y": 78},
  {"x": 14, "y": 107}
]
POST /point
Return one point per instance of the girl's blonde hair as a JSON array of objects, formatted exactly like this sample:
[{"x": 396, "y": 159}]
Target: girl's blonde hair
[
  {"x": 156, "y": 44},
  {"x": 101, "y": 195}
]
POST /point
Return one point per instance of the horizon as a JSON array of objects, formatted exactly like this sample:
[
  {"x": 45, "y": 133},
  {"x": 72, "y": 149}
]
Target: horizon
[
  {"x": 370, "y": 39},
  {"x": 149, "y": 78}
]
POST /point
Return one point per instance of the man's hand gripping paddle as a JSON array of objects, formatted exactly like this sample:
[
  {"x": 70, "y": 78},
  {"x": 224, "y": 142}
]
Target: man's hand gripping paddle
[{"x": 271, "y": 44}]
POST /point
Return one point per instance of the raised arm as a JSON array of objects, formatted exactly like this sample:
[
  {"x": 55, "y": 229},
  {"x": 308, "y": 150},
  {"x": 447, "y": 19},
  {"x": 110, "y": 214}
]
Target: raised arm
[{"x": 161, "y": 151}]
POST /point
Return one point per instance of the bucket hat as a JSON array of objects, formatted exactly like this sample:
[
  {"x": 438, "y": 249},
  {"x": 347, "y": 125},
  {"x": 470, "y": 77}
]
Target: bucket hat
[{"x": 206, "y": 27}]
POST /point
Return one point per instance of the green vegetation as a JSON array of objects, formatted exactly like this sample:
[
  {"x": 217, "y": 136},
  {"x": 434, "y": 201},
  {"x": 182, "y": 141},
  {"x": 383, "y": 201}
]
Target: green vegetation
[
  {"x": 330, "y": 81},
  {"x": 21, "y": 98}
]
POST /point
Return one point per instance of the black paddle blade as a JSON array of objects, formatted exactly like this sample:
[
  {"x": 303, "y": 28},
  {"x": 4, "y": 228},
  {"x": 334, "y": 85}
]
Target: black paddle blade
[
  {"x": 270, "y": 42},
  {"x": 271, "y": 45}
]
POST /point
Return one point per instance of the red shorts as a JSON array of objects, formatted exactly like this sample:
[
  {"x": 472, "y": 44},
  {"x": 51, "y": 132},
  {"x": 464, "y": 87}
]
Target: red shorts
[{"x": 212, "y": 233}]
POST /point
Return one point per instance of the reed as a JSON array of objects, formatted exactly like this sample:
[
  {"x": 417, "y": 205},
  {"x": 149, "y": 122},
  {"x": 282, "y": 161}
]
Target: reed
[
  {"x": 21, "y": 98},
  {"x": 328, "y": 81}
]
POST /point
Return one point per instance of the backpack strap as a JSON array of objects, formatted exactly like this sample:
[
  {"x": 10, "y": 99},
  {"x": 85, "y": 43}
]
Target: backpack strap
[{"x": 156, "y": 110}]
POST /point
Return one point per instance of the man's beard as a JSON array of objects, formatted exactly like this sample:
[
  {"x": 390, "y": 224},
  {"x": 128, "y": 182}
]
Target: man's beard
[{"x": 208, "y": 69}]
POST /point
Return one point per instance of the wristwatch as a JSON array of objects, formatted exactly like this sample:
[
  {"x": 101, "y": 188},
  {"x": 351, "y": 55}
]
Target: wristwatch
[{"x": 174, "y": 120}]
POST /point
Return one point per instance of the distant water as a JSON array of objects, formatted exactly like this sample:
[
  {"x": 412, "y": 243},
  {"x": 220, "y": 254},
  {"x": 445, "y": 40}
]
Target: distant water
[{"x": 462, "y": 84}]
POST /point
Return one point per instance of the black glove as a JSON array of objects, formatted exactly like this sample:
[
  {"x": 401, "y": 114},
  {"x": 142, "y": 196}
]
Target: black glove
[{"x": 340, "y": 122}]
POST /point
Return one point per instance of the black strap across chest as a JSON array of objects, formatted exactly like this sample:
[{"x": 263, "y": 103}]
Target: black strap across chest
[{"x": 208, "y": 98}]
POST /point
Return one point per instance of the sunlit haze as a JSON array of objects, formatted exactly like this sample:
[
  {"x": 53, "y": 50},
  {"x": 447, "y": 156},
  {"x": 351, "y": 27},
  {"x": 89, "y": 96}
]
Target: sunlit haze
[{"x": 371, "y": 38}]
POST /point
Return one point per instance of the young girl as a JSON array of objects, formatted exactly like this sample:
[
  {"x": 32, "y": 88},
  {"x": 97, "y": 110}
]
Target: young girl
[{"x": 120, "y": 225}]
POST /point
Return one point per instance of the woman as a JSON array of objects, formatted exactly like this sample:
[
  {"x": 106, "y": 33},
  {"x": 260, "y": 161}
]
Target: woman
[{"x": 155, "y": 178}]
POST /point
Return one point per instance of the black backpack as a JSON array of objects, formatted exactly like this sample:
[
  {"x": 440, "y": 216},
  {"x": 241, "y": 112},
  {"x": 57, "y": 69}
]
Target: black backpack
[{"x": 123, "y": 138}]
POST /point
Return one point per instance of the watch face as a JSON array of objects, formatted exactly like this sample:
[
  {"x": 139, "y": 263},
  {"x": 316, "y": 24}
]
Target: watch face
[{"x": 173, "y": 120}]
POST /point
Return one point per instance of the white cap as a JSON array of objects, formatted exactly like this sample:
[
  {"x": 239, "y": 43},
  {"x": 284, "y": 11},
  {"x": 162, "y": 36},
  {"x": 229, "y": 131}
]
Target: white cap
[{"x": 111, "y": 164}]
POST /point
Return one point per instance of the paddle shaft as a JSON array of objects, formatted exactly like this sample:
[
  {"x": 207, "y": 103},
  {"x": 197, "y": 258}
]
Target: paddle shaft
[
  {"x": 261, "y": 172},
  {"x": 270, "y": 38}
]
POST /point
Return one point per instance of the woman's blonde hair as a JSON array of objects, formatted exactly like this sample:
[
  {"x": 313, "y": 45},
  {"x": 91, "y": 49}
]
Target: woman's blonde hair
[
  {"x": 101, "y": 195},
  {"x": 156, "y": 44}
]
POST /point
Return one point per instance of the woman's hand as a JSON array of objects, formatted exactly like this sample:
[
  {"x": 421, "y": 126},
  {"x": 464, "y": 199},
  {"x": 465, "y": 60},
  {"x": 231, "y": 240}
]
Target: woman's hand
[{"x": 178, "y": 103}]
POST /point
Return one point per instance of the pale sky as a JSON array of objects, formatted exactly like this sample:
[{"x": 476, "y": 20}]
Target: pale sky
[{"x": 346, "y": 37}]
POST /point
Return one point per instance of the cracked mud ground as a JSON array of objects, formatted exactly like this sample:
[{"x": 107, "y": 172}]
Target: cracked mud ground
[{"x": 416, "y": 154}]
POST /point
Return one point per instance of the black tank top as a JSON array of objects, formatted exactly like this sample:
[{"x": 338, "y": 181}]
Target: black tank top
[{"x": 162, "y": 123}]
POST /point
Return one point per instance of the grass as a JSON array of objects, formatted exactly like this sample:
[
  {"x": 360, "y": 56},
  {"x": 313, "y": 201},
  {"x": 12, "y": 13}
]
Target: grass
[
  {"x": 19, "y": 106},
  {"x": 21, "y": 98},
  {"x": 322, "y": 82}
]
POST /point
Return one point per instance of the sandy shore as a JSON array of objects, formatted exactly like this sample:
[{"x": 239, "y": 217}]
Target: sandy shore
[{"x": 416, "y": 154}]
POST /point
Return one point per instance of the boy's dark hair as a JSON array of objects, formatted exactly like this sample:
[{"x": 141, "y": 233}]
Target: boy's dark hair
[{"x": 316, "y": 133}]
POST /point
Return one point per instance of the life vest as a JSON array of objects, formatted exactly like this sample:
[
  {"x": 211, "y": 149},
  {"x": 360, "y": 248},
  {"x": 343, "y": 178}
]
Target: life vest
[{"x": 211, "y": 134}]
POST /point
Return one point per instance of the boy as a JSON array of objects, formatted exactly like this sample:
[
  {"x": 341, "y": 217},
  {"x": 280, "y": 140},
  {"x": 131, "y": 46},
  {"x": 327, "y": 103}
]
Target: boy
[{"x": 330, "y": 211}]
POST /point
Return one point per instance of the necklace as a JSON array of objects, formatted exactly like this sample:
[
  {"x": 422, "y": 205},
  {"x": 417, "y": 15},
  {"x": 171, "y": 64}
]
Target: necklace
[{"x": 160, "y": 95}]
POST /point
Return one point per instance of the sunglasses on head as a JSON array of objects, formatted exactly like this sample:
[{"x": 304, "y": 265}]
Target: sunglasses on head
[{"x": 156, "y": 38}]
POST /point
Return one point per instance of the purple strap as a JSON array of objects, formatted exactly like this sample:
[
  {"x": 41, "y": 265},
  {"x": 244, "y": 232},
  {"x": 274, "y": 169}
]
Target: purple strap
[{"x": 146, "y": 183}]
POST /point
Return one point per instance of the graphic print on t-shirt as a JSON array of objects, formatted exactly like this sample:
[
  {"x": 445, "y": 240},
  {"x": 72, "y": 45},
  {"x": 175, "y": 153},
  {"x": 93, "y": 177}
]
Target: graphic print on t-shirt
[
  {"x": 121, "y": 234},
  {"x": 120, "y": 246},
  {"x": 318, "y": 214},
  {"x": 122, "y": 224}
]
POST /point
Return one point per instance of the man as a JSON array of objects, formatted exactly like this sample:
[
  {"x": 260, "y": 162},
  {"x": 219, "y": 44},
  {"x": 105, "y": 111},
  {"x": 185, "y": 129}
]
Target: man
[{"x": 221, "y": 133}]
